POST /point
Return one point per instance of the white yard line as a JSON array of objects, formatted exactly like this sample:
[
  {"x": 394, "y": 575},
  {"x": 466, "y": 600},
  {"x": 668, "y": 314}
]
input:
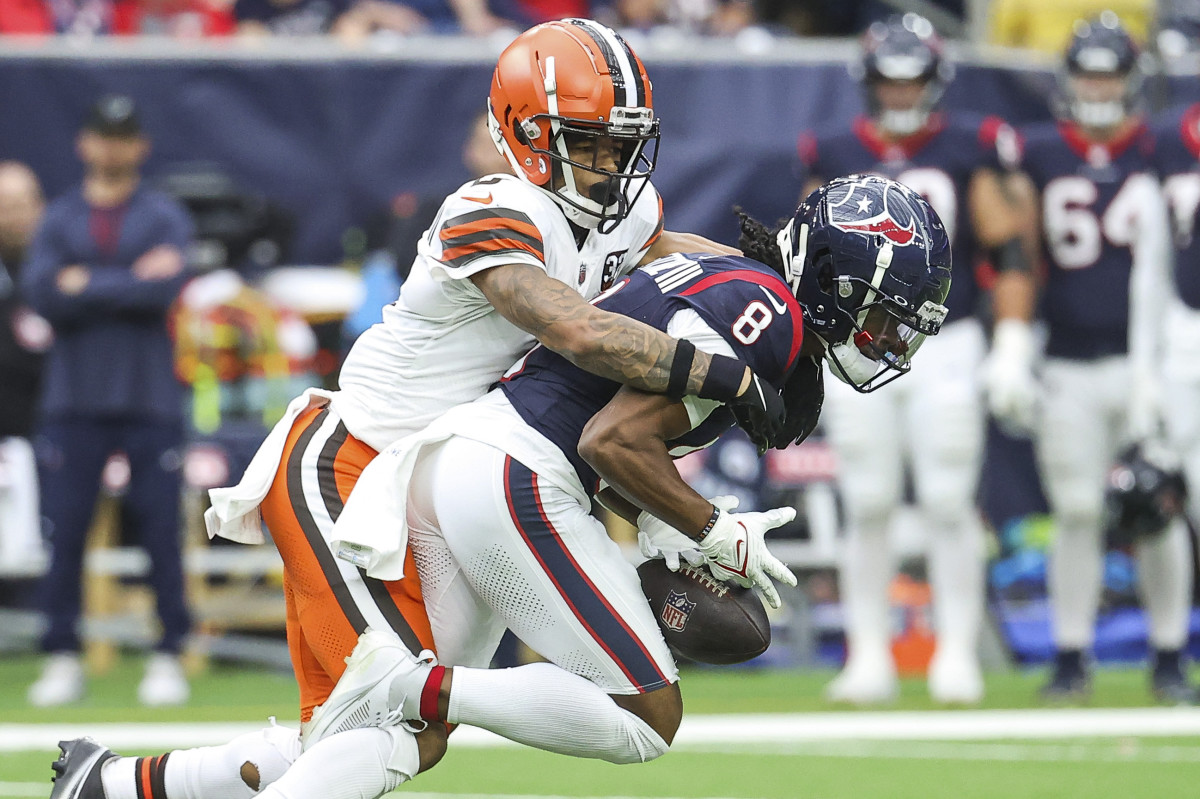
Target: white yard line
[{"x": 710, "y": 731}]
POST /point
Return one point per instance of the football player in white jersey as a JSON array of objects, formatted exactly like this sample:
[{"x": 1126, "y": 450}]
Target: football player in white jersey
[{"x": 510, "y": 261}]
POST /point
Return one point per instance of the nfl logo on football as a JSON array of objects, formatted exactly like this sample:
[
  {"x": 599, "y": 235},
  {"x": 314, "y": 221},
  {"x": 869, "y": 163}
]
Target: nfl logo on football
[{"x": 676, "y": 611}]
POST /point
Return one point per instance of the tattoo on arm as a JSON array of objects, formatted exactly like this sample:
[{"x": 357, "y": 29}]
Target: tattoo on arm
[{"x": 606, "y": 344}]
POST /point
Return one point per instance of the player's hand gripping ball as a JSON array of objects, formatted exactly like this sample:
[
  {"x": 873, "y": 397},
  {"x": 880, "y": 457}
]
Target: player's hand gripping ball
[{"x": 702, "y": 618}]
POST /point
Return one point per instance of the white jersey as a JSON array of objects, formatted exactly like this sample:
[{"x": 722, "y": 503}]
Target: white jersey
[{"x": 442, "y": 343}]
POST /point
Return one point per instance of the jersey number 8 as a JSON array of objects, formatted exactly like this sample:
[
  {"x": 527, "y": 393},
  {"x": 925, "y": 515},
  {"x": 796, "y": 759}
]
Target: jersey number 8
[{"x": 753, "y": 321}]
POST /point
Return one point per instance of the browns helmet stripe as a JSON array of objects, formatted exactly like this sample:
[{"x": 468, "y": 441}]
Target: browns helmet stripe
[{"x": 623, "y": 66}]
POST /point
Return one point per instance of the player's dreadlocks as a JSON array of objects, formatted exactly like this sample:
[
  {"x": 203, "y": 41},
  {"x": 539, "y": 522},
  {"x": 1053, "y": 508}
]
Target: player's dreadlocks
[{"x": 757, "y": 241}]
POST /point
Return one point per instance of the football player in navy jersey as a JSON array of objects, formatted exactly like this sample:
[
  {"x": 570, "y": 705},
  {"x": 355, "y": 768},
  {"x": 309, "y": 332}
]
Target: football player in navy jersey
[
  {"x": 1177, "y": 149},
  {"x": 950, "y": 159},
  {"x": 1105, "y": 239},
  {"x": 494, "y": 499}
]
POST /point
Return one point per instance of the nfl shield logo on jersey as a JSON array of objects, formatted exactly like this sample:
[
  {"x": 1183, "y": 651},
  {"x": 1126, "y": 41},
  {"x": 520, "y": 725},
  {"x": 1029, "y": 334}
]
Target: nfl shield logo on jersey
[{"x": 676, "y": 610}]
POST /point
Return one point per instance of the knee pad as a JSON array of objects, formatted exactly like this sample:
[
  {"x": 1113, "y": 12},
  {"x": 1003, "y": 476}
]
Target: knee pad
[{"x": 270, "y": 751}]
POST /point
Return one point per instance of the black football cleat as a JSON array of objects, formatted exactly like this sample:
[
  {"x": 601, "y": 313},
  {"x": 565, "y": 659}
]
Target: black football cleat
[
  {"x": 1169, "y": 682},
  {"x": 77, "y": 771},
  {"x": 1071, "y": 683}
]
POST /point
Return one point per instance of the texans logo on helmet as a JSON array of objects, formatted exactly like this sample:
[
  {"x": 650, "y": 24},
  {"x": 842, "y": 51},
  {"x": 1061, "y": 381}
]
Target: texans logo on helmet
[
  {"x": 676, "y": 610},
  {"x": 884, "y": 225},
  {"x": 861, "y": 214}
]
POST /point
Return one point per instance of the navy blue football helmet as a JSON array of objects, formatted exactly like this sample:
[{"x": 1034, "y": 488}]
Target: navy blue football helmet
[
  {"x": 866, "y": 253},
  {"x": 903, "y": 48},
  {"x": 1100, "y": 47},
  {"x": 1146, "y": 490}
]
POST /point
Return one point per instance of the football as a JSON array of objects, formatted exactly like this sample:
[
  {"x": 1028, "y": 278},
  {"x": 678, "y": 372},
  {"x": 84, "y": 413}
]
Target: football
[{"x": 702, "y": 618}]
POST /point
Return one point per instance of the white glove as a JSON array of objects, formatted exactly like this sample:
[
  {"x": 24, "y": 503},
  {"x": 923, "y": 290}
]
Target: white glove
[
  {"x": 1012, "y": 390},
  {"x": 657, "y": 539},
  {"x": 737, "y": 552}
]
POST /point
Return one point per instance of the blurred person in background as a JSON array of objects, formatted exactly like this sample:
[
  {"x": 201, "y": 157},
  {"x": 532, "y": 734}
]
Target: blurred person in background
[
  {"x": 182, "y": 19},
  {"x": 468, "y": 17},
  {"x": 106, "y": 265},
  {"x": 24, "y": 337},
  {"x": 257, "y": 18},
  {"x": 1105, "y": 237},
  {"x": 716, "y": 17},
  {"x": 934, "y": 426},
  {"x": 393, "y": 235},
  {"x": 1046, "y": 25},
  {"x": 1177, "y": 145},
  {"x": 179, "y": 18}
]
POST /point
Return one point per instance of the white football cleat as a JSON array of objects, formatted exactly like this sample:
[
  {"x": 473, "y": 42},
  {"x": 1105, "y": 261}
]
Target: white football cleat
[
  {"x": 61, "y": 682},
  {"x": 865, "y": 681},
  {"x": 164, "y": 684},
  {"x": 380, "y": 687},
  {"x": 955, "y": 677}
]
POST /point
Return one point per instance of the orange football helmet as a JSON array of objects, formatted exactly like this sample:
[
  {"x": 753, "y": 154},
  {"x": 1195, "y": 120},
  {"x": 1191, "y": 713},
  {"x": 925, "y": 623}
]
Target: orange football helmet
[{"x": 574, "y": 84}]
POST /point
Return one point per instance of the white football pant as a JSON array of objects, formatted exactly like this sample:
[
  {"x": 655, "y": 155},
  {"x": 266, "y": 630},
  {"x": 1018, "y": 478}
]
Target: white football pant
[
  {"x": 1081, "y": 429},
  {"x": 933, "y": 421}
]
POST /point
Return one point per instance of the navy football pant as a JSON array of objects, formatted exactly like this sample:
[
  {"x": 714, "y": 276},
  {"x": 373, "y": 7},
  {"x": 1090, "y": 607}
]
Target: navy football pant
[{"x": 71, "y": 456}]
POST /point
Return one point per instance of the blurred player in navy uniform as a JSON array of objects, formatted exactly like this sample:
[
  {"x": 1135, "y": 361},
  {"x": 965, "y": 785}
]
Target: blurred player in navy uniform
[
  {"x": 1177, "y": 145},
  {"x": 1105, "y": 238},
  {"x": 24, "y": 336},
  {"x": 950, "y": 159},
  {"x": 105, "y": 266}
]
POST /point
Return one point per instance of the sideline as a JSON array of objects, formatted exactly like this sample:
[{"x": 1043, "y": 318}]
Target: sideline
[{"x": 699, "y": 731}]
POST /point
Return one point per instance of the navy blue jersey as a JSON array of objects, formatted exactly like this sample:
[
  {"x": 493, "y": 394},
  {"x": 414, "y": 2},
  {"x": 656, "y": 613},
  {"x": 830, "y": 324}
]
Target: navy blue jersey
[
  {"x": 745, "y": 302},
  {"x": 936, "y": 162},
  {"x": 1090, "y": 204},
  {"x": 1177, "y": 150}
]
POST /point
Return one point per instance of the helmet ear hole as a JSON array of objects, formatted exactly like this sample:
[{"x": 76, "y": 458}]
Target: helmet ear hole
[{"x": 825, "y": 275}]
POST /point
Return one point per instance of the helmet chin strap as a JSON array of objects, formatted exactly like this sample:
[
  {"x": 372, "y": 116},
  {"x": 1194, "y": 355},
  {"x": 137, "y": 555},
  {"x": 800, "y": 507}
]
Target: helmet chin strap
[{"x": 848, "y": 363}]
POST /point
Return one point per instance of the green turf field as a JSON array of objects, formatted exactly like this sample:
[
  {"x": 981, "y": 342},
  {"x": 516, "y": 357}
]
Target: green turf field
[{"x": 1097, "y": 768}]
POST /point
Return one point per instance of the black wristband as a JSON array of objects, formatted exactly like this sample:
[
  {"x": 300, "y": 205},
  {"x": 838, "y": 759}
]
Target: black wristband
[
  {"x": 724, "y": 379},
  {"x": 1010, "y": 257},
  {"x": 681, "y": 367},
  {"x": 712, "y": 522}
]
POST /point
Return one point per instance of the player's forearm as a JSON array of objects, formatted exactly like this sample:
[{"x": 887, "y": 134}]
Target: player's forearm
[
  {"x": 630, "y": 352},
  {"x": 625, "y": 442},
  {"x": 644, "y": 474},
  {"x": 610, "y": 345}
]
